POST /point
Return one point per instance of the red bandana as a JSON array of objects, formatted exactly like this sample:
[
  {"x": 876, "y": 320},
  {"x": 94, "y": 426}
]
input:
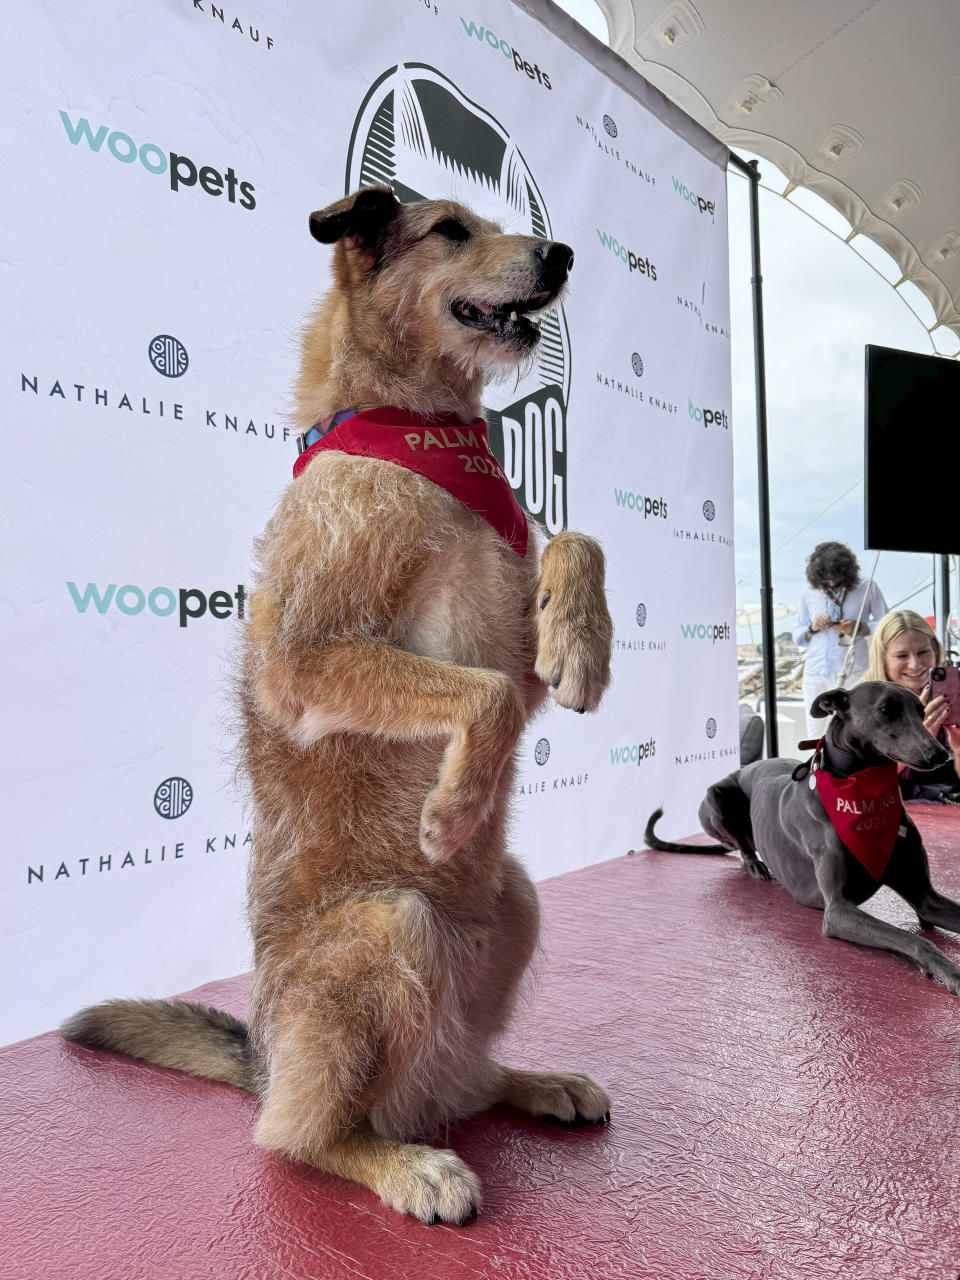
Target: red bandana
[
  {"x": 865, "y": 810},
  {"x": 458, "y": 458}
]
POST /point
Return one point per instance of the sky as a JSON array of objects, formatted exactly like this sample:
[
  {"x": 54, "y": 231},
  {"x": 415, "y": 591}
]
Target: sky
[{"x": 822, "y": 304}]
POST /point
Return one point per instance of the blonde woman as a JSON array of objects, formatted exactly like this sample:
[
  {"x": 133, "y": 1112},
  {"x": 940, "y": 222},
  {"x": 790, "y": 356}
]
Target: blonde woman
[{"x": 903, "y": 648}]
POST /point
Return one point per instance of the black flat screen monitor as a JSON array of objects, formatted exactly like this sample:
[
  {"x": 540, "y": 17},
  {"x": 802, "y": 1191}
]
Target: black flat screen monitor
[{"x": 912, "y": 452}]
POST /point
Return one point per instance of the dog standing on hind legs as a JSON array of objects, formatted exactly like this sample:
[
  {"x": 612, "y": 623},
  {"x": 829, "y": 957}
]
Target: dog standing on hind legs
[
  {"x": 400, "y": 638},
  {"x": 782, "y": 829}
]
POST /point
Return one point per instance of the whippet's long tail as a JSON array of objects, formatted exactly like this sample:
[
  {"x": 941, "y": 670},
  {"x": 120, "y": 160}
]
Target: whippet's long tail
[{"x": 653, "y": 841}]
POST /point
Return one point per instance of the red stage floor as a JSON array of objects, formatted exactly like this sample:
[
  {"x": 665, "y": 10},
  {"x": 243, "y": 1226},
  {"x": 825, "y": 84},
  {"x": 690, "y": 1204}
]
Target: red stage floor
[{"x": 785, "y": 1106}]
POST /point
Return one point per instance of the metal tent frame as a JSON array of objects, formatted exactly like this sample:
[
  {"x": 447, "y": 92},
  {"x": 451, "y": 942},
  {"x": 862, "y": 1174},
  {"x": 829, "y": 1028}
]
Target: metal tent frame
[{"x": 752, "y": 172}]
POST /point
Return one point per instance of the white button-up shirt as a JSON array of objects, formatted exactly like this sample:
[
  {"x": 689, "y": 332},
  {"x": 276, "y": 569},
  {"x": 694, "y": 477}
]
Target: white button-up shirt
[{"x": 825, "y": 654}]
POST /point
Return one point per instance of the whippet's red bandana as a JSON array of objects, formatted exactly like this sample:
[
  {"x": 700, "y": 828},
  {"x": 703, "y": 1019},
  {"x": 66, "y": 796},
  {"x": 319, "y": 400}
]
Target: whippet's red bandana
[
  {"x": 455, "y": 456},
  {"x": 865, "y": 810}
]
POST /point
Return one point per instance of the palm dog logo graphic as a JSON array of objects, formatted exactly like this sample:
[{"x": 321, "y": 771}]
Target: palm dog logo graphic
[
  {"x": 541, "y": 752},
  {"x": 417, "y": 133}
]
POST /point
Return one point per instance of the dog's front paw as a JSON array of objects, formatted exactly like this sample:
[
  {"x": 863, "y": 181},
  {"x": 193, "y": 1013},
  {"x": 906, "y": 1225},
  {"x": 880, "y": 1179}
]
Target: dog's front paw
[
  {"x": 940, "y": 968},
  {"x": 434, "y": 1186},
  {"x": 465, "y": 787},
  {"x": 574, "y": 629},
  {"x": 445, "y": 826},
  {"x": 575, "y": 667}
]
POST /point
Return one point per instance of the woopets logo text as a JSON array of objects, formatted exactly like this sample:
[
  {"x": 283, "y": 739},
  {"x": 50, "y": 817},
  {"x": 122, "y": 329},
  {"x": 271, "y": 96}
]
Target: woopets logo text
[
  {"x": 486, "y": 36},
  {"x": 181, "y": 171}
]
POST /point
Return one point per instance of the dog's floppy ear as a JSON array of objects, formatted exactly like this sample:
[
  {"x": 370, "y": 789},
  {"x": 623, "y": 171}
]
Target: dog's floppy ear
[
  {"x": 825, "y": 704},
  {"x": 362, "y": 218}
]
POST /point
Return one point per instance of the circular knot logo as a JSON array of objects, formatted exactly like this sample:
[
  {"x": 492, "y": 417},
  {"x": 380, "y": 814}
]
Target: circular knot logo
[
  {"x": 168, "y": 355},
  {"x": 610, "y": 125},
  {"x": 711, "y": 728},
  {"x": 637, "y": 363},
  {"x": 541, "y": 752},
  {"x": 709, "y": 510},
  {"x": 641, "y": 615},
  {"x": 173, "y": 798}
]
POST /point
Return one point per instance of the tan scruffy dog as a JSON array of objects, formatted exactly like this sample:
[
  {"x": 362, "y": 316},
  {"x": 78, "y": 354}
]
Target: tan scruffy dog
[{"x": 397, "y": 647}]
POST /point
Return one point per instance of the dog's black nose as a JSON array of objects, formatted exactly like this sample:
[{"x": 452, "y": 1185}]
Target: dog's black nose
[{"x": 556, "y": 260}]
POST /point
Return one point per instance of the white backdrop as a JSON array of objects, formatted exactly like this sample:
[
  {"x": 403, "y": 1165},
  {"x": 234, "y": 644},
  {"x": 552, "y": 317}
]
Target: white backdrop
[{"x": 163, "y": 159}]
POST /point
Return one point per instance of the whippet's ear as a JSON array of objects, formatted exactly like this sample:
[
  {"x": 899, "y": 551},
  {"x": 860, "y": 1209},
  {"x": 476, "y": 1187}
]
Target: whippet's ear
[
  {"x": 825, "y": 704},
  {"x": 362, "y": 218}
]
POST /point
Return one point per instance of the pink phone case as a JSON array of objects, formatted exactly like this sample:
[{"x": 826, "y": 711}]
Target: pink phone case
[{"x": 945, "y": 683}]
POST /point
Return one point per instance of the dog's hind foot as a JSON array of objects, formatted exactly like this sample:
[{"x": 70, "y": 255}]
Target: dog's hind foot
[{"x": 567, "y": 1097}]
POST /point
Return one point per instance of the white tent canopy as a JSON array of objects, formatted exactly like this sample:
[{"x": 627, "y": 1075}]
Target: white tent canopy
[{"x": 856, "y": 100}]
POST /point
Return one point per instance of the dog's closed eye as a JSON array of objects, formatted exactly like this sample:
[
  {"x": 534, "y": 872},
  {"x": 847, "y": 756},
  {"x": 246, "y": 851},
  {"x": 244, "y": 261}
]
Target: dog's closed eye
[{"x": 452, "y": 229}]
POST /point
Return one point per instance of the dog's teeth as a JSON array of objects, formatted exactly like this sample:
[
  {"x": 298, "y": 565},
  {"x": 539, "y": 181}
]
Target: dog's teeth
[{"x": 513, "y": 316}]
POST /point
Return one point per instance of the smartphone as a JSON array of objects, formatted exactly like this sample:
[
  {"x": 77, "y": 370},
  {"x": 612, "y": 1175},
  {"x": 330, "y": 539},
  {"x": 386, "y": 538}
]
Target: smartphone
[{"x": 945, "y": 683}]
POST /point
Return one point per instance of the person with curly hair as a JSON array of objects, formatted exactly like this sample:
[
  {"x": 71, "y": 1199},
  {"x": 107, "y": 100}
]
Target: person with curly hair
[
  {"x": 826, "y": 621},
  {"x": 903, "y": 648}
]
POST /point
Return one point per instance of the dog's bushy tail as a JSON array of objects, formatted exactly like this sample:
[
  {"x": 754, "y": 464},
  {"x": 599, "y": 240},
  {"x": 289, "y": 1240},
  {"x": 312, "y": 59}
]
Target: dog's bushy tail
[
  {"x": 170, "y": 1033},
  {"x": 653, "y": 841}
]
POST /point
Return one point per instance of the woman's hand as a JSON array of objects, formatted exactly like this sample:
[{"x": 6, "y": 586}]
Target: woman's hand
[
  {"x": 953, "y": 741},
  {"x": 935, "y": 713},
  {"x": 820, "y": 622}
]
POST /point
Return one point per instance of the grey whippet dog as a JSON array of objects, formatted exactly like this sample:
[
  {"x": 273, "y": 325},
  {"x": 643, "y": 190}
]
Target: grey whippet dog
[{"x": 764, "y": 808}]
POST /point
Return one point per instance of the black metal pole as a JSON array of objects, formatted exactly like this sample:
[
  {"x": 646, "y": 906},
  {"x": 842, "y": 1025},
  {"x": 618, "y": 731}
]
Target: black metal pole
[
  {"x": 763, "y": 479},
  {"x": 944, "y": 618}
]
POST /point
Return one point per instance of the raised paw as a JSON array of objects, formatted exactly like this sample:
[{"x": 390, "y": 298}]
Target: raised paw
[
  {"x": 434, "y": 1186},
  {"x": 574, "y": 631},
  {"x": 564, "y": 1097},
  {"x": 465, "y": 786},
  {"x": 445, "y": 826}
]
